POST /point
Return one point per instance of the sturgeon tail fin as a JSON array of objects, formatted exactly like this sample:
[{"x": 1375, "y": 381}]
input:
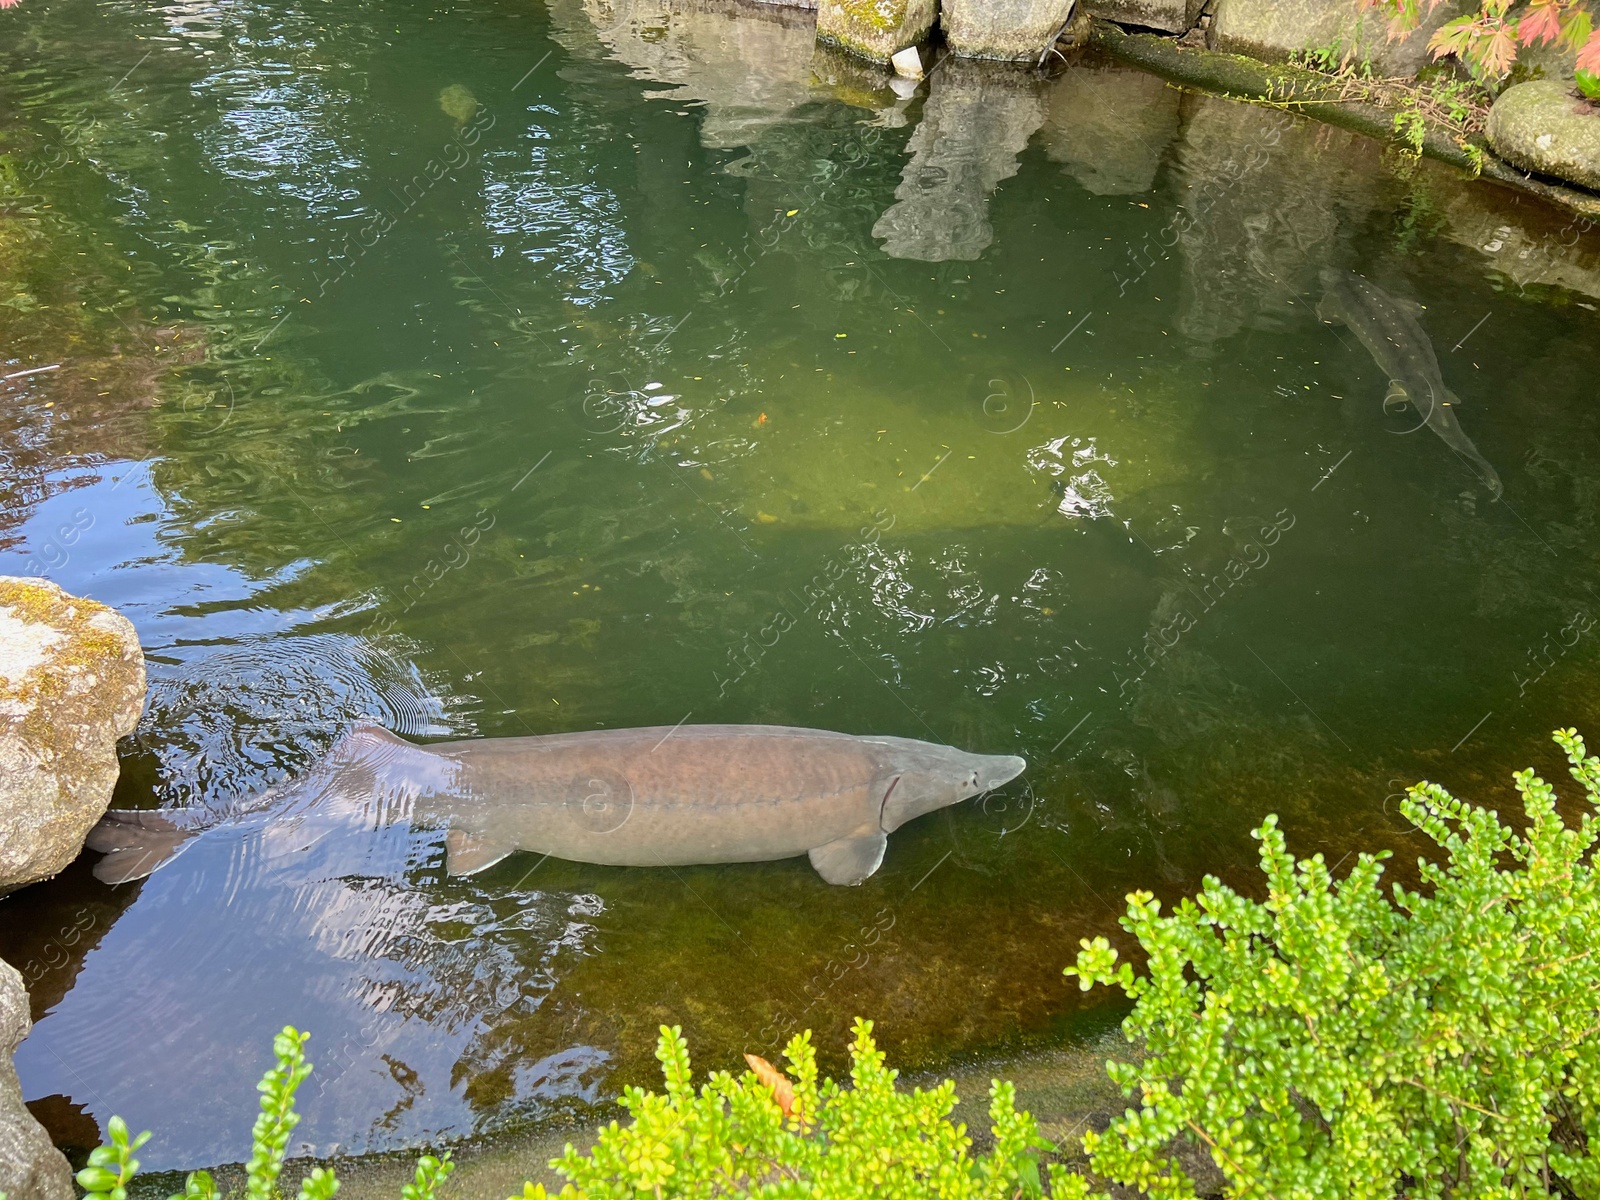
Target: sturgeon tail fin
[{"x": 134, "y": 843}]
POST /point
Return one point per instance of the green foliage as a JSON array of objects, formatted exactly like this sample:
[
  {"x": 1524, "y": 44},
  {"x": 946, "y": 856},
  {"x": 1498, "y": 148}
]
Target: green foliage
[
  {"x": 269, "y": 1140},
  {"x": 1332, "y": 57},
  {"x": 111, "y": 1166},
  {"x": 430, "y": 1176},
  {"x": 1336, "y": 1042},
  {"x": 740, "y": 1136},
  {"x": 1412, "y": 128},
  {"x": 1589, "y": 84},
  {"x": 1476, "y": 159}
]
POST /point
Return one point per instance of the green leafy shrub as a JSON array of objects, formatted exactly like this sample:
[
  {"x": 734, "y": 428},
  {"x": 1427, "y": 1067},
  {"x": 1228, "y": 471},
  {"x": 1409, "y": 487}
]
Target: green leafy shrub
[
  {"x": 1336, "y": 1042},
  {"x": 1589, "y": 84},
  {"x": 760, "y": 1135},
  {"x": 113, "y": 1165}
]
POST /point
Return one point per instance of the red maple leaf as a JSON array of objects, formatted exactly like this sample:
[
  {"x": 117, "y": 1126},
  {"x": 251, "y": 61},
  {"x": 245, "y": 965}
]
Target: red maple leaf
[
  {"x": 9, "y": 3},
  {"x": 1589, "y": 56},
  {"x": 1542, "y": 22}
]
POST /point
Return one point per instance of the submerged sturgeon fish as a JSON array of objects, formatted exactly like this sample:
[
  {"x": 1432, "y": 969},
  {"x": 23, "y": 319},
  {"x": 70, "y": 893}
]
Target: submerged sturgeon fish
[
  {"x": 1387, "y": 326},
  {"x": 667, "y": 796}
]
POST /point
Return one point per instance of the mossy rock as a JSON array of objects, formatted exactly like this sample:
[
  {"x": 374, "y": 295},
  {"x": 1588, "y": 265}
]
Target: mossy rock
[
  {"x": 71, "y": 683},
  {"x": 1546, "y": 127},
  {"x": 875, "y": 29}
]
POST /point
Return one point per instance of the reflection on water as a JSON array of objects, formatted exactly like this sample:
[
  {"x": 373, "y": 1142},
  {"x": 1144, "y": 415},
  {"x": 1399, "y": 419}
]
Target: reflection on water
[
  {"x": 1261, "y": 232},
  {"x": 710, "y": 379},
  {"x": 974, "y": 124},
  {"x": 750, "y": 67},
  {"x": 1111, "y": 128}
]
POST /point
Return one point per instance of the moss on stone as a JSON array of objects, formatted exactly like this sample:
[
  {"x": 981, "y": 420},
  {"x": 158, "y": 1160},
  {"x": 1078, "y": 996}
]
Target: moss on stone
[{"x": 42, "y": 691}]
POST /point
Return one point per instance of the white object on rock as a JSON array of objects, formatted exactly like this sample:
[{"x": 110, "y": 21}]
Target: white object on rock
[
  {"x": 30, "y": 1167},
  {"x": 71, "y": 684},
  {"x": 907, "y": 62}
]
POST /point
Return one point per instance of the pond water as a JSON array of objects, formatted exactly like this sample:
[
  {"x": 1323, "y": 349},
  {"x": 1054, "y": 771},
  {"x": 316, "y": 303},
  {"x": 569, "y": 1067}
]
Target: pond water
[{"x": 516, "y": 368}]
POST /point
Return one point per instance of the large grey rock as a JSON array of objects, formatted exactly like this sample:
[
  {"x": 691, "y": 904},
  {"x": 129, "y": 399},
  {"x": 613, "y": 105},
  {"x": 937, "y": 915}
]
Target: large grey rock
[
  {"x": 976, "y": 121},
  {"x": 875, "y": 29},
  {"x": 1275, "y": 29},
  {"x": 1010, "y": 30},
  {"x": 1172, "y": 16},
  {"x": 1546, "y": 127},
  {"x": 71, "y": 684},
  {"x": 30, "y": 1167},
  {"x": 1110, "y": 127}
]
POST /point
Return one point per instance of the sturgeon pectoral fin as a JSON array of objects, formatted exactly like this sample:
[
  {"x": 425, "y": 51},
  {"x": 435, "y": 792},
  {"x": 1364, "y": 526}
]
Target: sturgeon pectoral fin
[
  {"x": 849, "y": 860},
  {"x": 134, "y": 844},
  {"x": 468, "y": 853}
]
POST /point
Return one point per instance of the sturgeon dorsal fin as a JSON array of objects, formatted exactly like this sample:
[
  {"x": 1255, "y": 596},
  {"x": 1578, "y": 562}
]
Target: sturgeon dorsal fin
[
  {"x": 852, "y": 858},
  {"x": 468, "y": 853}
]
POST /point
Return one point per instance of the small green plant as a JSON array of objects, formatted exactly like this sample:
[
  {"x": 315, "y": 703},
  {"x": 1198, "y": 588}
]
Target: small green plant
[
  {"x": 1329, "y": 57},
  {"x": 1333, "y": 1041},
  {"x": 1589, "y": 84},
  {"x": 1412, "y": 128},
  {"x": 763, "y": 1135},
  {"x": 112, "y": 1165}
]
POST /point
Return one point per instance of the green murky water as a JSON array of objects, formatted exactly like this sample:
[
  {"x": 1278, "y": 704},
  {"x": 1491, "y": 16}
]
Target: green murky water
[{"x": 509, "y": 368}]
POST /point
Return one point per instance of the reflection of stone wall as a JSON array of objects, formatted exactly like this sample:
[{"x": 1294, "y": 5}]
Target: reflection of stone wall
[
  {"x": 1531, "y": 247},
  {"x": 1264, "y": 200},
  {"x": 975, "y": 123},
  {"x": 1110, "y": 127},
  {"x": 750, "y": 64}
]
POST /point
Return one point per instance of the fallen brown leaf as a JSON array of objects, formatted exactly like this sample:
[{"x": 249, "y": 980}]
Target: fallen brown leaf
[{"x": 782, "y": 1089}]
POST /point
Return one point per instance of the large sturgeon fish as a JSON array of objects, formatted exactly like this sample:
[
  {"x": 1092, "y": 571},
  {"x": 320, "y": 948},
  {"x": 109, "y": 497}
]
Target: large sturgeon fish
[
  {"x": 1387, "y": 326},
  {"x": 667, "y": 796}
]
